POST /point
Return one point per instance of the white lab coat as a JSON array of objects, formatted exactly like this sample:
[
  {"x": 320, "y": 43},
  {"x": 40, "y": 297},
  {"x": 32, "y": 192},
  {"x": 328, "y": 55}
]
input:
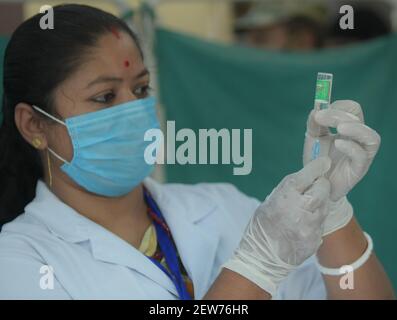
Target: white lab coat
[{"x": 89, "y": 262}]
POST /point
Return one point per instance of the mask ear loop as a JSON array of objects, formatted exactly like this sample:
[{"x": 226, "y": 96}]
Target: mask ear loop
[
  {"x": 48, "y": 115},
  {"x": 48, "y": 149}
]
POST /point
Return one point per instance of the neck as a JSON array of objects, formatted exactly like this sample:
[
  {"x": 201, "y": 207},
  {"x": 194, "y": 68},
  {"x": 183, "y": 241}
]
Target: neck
[{"x": 125, "y": 216}]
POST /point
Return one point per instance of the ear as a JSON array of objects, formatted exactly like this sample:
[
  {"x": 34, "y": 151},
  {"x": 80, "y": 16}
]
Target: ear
[{"x": 30, "y": 125}]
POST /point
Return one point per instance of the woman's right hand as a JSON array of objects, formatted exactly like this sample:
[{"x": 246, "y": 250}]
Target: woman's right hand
[{"x": 286, "y": 229}]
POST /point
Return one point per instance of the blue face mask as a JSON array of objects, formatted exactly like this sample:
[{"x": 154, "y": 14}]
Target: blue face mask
[{"x": 108, "y": 147}]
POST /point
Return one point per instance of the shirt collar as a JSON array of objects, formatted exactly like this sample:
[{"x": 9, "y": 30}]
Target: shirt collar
[
  {"x": 196, "y": 206},
  {"x": 68, "y": 224}
]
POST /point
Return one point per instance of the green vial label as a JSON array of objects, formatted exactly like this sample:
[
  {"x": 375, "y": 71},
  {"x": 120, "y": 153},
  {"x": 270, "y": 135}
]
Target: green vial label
[{"x": 322, "y": 90}]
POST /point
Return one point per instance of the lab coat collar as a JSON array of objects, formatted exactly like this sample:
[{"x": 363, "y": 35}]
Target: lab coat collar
[
  {"x": 183, "y": 213},
  {"x": 197, "y": 211}
]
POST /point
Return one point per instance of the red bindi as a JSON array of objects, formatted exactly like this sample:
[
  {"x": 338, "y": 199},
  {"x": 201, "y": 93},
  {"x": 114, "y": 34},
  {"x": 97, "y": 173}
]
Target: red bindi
[
  {"x": 126, "y": 63},
  {"x": 115, "y": 32}
]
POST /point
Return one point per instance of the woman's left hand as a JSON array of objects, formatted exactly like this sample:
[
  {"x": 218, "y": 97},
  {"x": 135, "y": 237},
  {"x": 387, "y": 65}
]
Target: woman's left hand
[{"x": 351, "y": 150}]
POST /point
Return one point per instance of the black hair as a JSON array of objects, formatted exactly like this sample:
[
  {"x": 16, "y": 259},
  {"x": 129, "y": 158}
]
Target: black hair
[{"x": 36, "y": 62}]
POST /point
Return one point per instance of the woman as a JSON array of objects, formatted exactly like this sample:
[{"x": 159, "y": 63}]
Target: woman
[{"x": 86, "y": 222}]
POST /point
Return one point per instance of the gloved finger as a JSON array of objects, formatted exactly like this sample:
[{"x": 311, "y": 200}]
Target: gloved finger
[
  {"x": 357, "y": 155},
  {"x": 349, "y": 106},
  {"x": 304, "y": 178},
  {"x": 332, "y": 118},
  {"x": 317, "y": 218},
  {"x": 313, "y": 128},
  {"x": 317, "y": 194},
  {"x": 368, "y": 138}
]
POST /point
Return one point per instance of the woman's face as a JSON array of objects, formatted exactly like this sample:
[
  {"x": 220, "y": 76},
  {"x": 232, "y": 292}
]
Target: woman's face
[{"x": 112, "y": 73}]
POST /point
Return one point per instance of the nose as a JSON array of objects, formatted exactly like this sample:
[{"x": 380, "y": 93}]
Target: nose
[{"x": 127, "y": 95}]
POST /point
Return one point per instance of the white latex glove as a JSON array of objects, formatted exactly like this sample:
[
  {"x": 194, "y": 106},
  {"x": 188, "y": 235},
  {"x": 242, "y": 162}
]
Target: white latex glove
[
  {"x": 351, "y": 150},
  {"x": 286, "y": 228}
]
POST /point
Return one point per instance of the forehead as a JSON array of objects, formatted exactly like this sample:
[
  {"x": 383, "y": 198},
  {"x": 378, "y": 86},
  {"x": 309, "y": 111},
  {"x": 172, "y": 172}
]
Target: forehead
[
  {"x": 114, "y": 54},
  {"x": 116, "y": 46}
]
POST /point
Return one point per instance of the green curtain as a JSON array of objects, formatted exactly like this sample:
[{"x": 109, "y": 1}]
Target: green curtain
[
  {"x": 210, "y": 85},
  {"x": 3, "y": 44}
]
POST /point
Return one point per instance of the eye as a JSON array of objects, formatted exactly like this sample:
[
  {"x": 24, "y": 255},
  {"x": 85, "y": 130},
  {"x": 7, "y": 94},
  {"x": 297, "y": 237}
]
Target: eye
[
  {"x": 105, "y": 98},
  {"x": 142, "y": 91}
]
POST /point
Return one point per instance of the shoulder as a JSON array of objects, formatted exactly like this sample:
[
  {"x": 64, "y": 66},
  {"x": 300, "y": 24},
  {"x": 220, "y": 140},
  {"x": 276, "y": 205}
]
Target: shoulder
[{"x": 22, "y": 268}]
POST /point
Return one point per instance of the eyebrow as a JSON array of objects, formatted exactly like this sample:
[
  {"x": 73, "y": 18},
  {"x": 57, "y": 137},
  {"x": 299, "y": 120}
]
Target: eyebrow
[{"x": 102, "y": 79}]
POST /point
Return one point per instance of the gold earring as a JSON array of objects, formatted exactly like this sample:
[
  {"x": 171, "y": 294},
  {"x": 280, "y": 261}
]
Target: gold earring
[
  {"x": 36, "y": 142},
  {"x": 49, "y": 167}
]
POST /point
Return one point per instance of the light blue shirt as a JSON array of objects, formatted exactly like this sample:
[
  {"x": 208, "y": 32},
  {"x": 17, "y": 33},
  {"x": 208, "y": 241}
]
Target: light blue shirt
[{"x": 89, "y": 262}]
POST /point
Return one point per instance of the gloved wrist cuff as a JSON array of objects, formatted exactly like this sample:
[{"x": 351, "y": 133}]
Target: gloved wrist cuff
[{"x": 340, "y": 214}]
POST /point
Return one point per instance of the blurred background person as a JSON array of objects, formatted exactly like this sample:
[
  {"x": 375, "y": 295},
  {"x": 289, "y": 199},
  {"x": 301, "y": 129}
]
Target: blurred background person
[{"x": 277, "y": 26}]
